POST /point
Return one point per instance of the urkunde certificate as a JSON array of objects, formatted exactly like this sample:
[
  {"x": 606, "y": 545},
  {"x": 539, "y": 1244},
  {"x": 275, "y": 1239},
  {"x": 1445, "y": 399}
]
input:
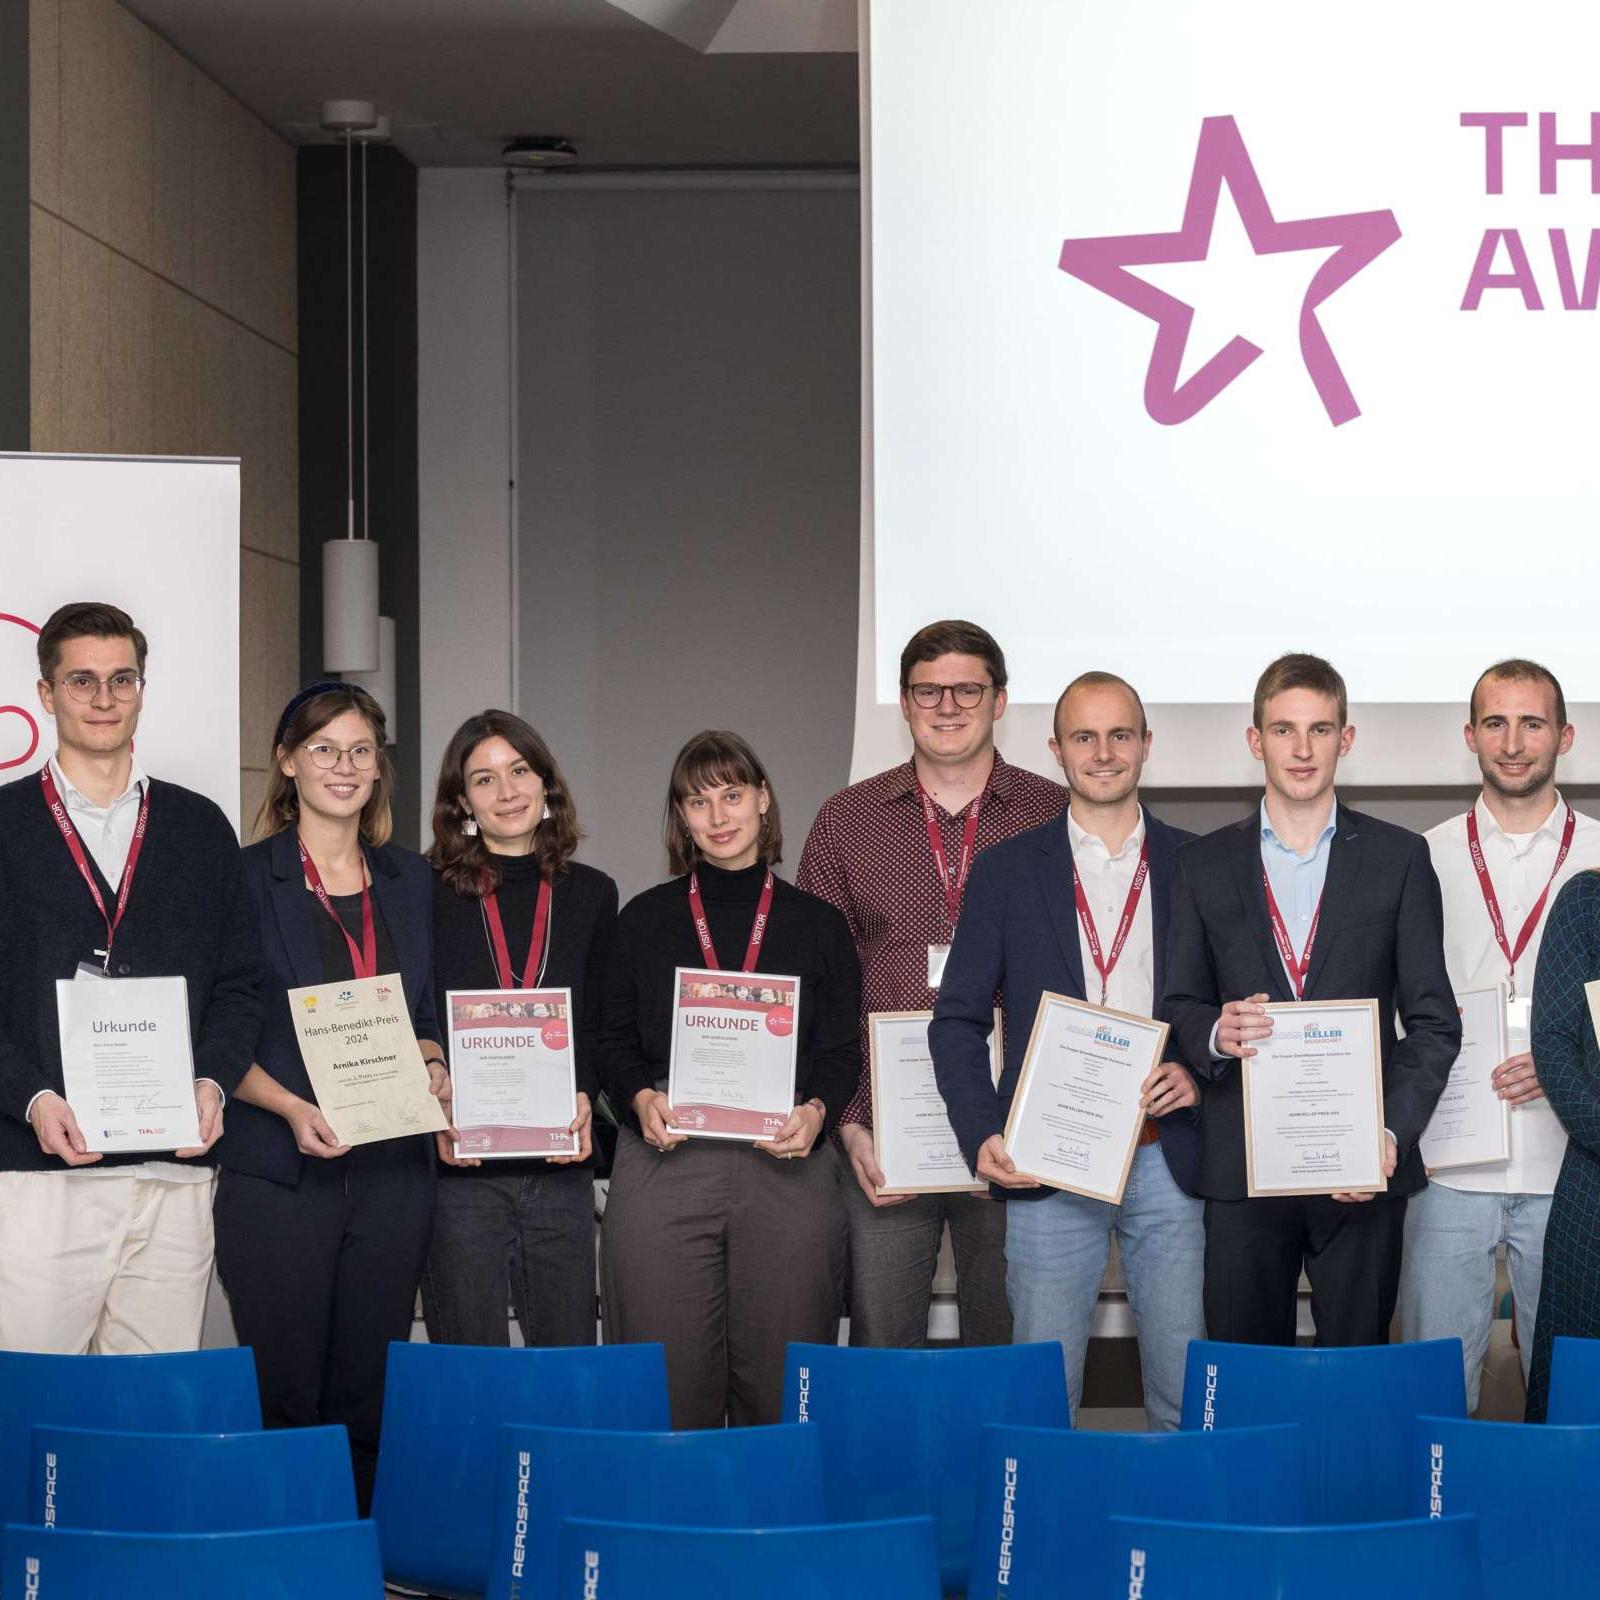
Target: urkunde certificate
[
  {"x": 1076, "y": 1116},
  {"x": 912, "y": 1140},
  {"x": 732, "y": 1070},
  {"x": 513, "y": 1072},
  {"x": 362, "y": 1058},
  {"x": 126, "y": 1064},
  {"x": 1471, "y": 1123},
  {"x": 1313, "y": 1101}
]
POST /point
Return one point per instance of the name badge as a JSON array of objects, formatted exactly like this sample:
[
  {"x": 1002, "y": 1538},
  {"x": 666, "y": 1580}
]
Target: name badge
[
  {"x": 1519, "y": 1020},
  {"x": 938, "y": 954},
  {"x": 88, "y": 971}
]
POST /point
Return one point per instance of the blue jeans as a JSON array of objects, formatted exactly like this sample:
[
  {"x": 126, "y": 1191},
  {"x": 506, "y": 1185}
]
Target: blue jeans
[
  {"x": 1056, "y": 1252},
  {"x": 1447, "y": 1271}
]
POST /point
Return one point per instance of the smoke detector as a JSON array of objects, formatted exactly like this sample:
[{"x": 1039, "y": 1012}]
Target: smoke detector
[{"x": 539, "y": 152}]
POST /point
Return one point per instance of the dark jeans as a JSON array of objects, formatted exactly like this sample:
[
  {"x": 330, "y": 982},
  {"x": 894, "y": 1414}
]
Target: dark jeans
[
  {"x": 523, "y": 1239},
  {"x": 723, "y": 1254},
  {"x": 1351, "y": 1255},
  {"x": 321, "y": 1277},
  {"x": 894, "y": 1251}
]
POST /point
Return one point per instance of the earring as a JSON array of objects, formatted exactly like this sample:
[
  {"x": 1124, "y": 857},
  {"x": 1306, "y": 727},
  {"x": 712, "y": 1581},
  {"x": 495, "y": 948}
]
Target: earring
[
  {"x": 546, "y": 815},
  {"x": 470, "y": 827}
]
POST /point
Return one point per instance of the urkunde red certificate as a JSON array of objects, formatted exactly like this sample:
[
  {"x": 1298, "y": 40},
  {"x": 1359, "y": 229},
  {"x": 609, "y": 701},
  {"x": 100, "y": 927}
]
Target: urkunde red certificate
[
  {"x": 732, "y": 1072},
  {"x": 513, "y": 1072}
]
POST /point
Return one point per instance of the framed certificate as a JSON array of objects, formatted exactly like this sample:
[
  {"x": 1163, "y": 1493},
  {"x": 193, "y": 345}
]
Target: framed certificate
[
  {"x": 912, "y": 1140},
  {"x": 362, "y": 1058},
  {"x": 732, "y": 1069},
  {"x": 1076, "y": 1116},
  {"x": 513, "y": 1073},
  {"x": 1313, "y": 1101},
  {"x": 126, "y": 1063},
  {"x": 1471, "y": 1124}
]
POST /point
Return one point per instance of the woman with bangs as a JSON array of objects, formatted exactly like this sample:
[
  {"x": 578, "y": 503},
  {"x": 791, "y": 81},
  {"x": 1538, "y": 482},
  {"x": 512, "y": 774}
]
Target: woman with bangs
[
  {"x": 725, "y": 1251},
  {"x": 513, "y": 910},
  {"x": 320, "y": 1246}
]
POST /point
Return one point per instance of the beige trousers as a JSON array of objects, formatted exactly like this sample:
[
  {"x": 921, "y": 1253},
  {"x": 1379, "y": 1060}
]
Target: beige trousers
[{"x": 103, "y": 1263}]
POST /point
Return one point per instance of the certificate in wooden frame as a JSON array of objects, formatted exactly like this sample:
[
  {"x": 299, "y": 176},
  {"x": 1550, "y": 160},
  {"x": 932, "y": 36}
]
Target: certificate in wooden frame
[
  {"x": 1291, "y": 1008},
  {"x": 1048, "y": 1002},
  {"x": 996, "y": 1065}
]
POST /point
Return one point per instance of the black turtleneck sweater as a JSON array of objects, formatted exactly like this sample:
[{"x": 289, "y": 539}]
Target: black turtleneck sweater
[
  {"x": 806, "y": 938},
  {"x": 583, "y": 911}
]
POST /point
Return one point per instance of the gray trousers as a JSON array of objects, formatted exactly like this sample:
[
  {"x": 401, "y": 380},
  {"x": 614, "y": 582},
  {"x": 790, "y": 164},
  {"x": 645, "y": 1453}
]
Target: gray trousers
[
  {"x": 894, "y": 1251},
  {"x": 723, "y": 1254}
]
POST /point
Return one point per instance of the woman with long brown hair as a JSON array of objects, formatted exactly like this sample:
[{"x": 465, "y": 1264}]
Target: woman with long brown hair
[
  {"x": 320, "y": 1246},
  {"x": 725, "y": 1250},
  {"x": 512, "y": 909}
]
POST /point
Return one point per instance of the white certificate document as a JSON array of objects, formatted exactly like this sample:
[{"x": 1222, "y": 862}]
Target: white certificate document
[
  {"x": 1313, "y": 1101},
  {"x": 126, "y": 1063},
  {"x": 1075, "y": 1119},
  {"x": 912, "y": 1140},
  {"x": 734, "y": 1050},
  {"x": 513, "y": 1072},
  {"x": 362, "y": 1058},
  {"x": 1471, "y": 1124}
]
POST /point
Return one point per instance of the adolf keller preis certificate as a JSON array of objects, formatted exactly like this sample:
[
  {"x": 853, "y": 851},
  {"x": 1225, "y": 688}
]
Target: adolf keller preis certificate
[
  {"x": 732, "y": 1071},
  {"x": 126, "y": 1063},
  {"x": 513, "y": 1072},
  {"x": 1076, "y": 1115},
  {"x": 1471, "y": 1123},
  {"x": 362, "y": 1058},
  {"x": 912, "y": 1140},
  {"x": 1313, "y": 1101}
]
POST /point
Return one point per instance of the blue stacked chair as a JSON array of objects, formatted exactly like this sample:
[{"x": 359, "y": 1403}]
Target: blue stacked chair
[
  {"x": 201, "y": 1391},
  {"x": 443, "y": 1407},
  {"x": 1043, "y": 1491},
  {"x": 737, "y": 1477},
  {"x": 901, "y": 1427},
  {"x": 335, "y": 1561},
  {"x": 1574, "y": 1381},
  {"x": 1532, "y": 1490},
  {"x": 890, "y": 1560},
  {"x": 190, "y": 1482},
  {"x": 1426, "y": 1560},
  {"x": 1354, "y": 1404}
]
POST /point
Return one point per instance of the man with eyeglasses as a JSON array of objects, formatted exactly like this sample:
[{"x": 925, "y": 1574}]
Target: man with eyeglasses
[
  {"x": 107, "y": 874},
  {"x": 893, "y": 854}
]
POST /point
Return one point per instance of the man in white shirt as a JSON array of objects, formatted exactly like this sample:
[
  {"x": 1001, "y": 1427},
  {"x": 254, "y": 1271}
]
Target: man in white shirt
[{"x": 1529, "y": 842}]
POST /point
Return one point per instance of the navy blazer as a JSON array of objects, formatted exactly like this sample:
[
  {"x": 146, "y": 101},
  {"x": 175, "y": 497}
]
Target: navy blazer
[
  {"x": 1018, "y": 936},
  {"x": 258, "y": 1141}
]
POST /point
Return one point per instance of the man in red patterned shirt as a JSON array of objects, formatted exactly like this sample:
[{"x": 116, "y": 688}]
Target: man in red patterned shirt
[{"x": 892, "y": 853}]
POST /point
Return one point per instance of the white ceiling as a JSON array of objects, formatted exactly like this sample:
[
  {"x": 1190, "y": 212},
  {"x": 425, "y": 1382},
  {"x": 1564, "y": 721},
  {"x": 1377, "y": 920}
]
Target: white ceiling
[{"x": 635, "y": 82}]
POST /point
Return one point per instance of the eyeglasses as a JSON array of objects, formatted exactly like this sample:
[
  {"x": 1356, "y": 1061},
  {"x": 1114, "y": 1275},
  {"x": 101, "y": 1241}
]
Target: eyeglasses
[
  {"x": 84, "y": 686},
  {"x": 363, "y": 757},
  {"x": 931, "y": 695}
]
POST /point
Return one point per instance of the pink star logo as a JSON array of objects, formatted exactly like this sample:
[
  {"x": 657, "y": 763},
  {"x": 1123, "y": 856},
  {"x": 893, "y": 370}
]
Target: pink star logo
[{"x": 1356, "y": 239}]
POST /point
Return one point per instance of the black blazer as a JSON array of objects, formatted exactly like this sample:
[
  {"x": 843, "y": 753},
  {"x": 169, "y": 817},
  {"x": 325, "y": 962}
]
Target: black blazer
[
  {"x": 258, "y": 1141},
  {"x": 1018, "y": 936},
  {"x": 1380, "y": 937}
]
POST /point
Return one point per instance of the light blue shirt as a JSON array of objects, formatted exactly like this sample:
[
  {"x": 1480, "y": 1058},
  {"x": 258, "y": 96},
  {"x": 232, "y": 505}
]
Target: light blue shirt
[{"x": 1296, "y": 879}]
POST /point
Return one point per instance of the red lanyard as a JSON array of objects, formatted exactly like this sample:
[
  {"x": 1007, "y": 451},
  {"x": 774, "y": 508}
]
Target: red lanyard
[
  {"x": 702, "y": 928},
  {"x": 1102, "y": 964},
  {"x": 497, "y": 940},
  {"x": 953, "y": 886},
  {"x": 52, "y": 798},
  {"x": 1297, "y": 969},
  {"x": 364, "y": 958},
  {"x": 1513, "y": 954}
]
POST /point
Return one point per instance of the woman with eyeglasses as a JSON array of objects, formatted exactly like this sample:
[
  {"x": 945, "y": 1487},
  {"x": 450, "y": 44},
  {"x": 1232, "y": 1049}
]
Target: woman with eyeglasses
[
  {"x": 513, "y": 910},
  {"x": 320, "y": 1246},
  {"x": 725, "y": 1250}
]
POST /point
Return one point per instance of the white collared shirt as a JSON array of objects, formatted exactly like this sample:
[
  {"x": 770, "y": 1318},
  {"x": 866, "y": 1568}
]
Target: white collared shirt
[
  {"x": 107, "y": 834},
  {"x": 106, "y": 831},
  {"x": 1106, "y": 879},
  {"x": 1519, "y": 867}
]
